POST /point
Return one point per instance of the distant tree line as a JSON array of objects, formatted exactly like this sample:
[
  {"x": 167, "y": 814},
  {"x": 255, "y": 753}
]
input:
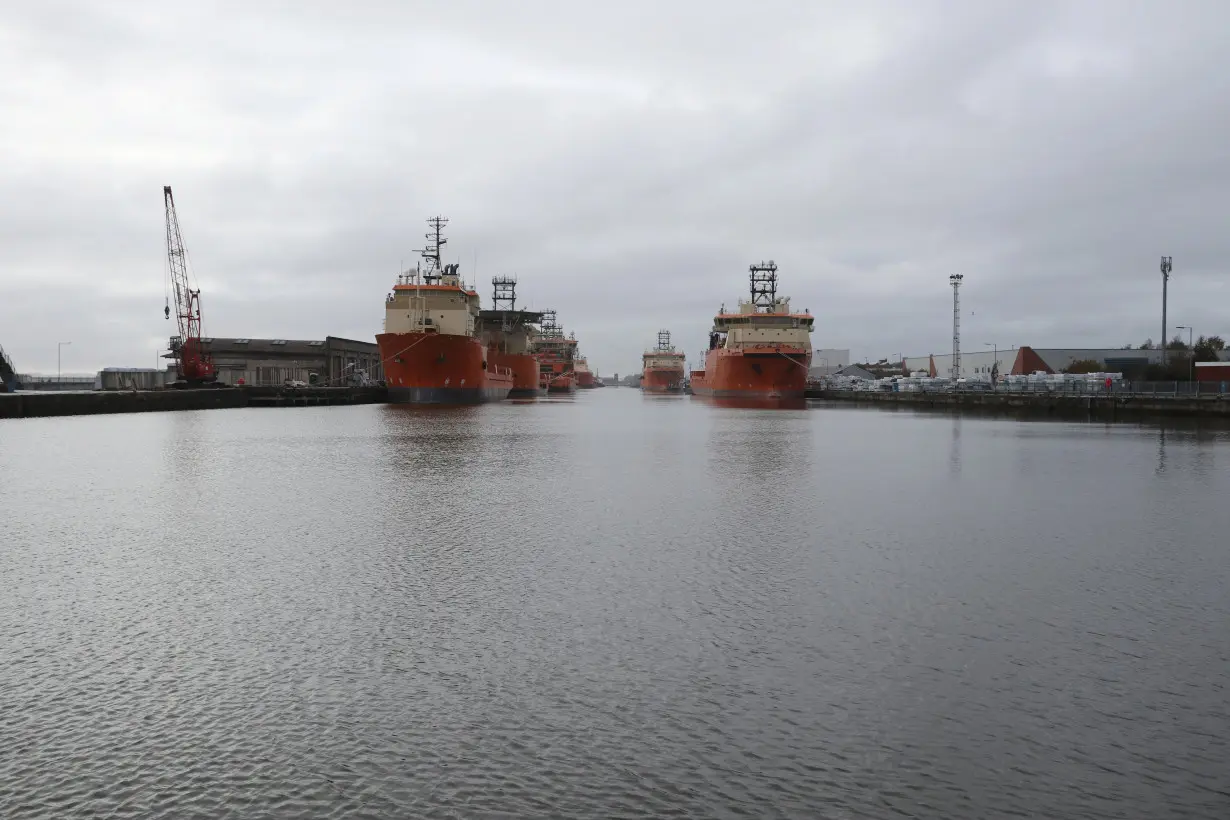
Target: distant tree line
[
  {"x": 1205, "y": 348},
  {"x": 1179, "y": 360}
]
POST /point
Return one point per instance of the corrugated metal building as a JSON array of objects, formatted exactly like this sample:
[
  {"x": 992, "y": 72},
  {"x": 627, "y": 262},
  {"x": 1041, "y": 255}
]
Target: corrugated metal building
[
  {"x": 331, "y": 360},
  {"x": 1128, "y": 361},
  {"x": 1213, "y": 371},
  {"x": 856, "y": 372},
  {"x": 977, "y": 364}
]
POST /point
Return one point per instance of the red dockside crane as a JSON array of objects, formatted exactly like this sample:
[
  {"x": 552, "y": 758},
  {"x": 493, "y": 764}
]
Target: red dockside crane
[{"x": 194, "y": 364}]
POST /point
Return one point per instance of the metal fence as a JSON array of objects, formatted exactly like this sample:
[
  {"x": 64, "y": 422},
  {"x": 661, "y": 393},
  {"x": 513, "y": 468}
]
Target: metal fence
[
  {"x": 1073, "y": 388},
  {"x": 29, "y": 382},
  {"x": 1130, "y": 388}
]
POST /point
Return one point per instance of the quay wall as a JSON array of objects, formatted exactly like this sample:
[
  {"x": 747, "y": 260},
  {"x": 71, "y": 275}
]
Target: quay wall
[
  {"x": 1120, "y": 405},
  {"x": 55, "y": 403}
]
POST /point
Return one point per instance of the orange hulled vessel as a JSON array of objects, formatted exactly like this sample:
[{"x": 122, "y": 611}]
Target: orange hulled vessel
[
  {"x": 508, "y": 333},
  {"x": 556, "y": 356},
  {"x": 762, "y": 351},
  {"x": 585, "y": 377},
  {"x": 662, "y": 368},
  {"x": 430, "y": 346}
]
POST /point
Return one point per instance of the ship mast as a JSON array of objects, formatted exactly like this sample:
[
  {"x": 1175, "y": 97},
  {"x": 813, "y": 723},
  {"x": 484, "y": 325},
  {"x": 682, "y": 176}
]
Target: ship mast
[
  {"x": 435, "y": 241},
  {"x": 504, "y": 300},
  {"x": 504, "y": 293},
  {"x": 764, "y": 286},
  {"x": 664, "y": 341},
  {"x": 550, "y": 329}
]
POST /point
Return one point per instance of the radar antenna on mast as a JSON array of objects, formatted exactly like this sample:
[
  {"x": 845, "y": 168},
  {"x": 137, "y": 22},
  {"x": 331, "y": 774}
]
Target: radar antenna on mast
[
  {"x": 435, "y": 242},
  {"x": 764, "y": 286}
]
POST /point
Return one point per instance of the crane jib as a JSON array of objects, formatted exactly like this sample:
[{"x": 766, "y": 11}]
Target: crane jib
[{"x": 192, "y": 360}]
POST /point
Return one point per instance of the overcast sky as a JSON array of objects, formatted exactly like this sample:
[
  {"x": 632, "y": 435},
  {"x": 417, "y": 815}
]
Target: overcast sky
[{"x": 626, "y": 160}]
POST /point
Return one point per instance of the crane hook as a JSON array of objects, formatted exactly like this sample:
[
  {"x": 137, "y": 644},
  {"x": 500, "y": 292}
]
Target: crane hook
[{"x": 167, "y": 310}]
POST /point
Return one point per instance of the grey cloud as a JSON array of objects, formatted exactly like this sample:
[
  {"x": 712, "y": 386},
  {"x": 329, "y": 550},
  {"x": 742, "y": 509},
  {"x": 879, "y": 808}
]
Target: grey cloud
[{"x": 627, "y": 161}]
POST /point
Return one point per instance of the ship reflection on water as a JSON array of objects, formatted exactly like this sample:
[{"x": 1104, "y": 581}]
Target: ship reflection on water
[{"x": 749, "y": 403}]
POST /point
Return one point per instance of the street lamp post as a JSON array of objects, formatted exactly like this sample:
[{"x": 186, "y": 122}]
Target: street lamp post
[
  {"x": 59, "y": 347},
  {"x": 994, "y": 362},
  {"x": 1191, "y": 354}
]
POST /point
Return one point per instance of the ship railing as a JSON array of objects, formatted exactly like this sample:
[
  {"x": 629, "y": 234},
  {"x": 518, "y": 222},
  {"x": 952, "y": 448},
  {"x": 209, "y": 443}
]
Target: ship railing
[
  {"x": 31, "y": 382},
  {"x": 772, "y": 346}
]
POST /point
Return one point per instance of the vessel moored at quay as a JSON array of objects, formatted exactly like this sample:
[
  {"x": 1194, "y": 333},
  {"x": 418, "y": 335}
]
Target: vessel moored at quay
[
  {"x": 585, "y": 377},
  {"x": 761, "y": 351},
  {"x": 508, "y": 332},
  {"x": 556, "y": 356},
  {"x": 430, "y": 347},
  {"x": 663, "y": 368}
]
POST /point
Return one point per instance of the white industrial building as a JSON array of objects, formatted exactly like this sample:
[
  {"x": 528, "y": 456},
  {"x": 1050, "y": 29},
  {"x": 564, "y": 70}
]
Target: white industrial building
[
  {"x": 973, "y": 364},
  {"x": 825, "y": 361}
]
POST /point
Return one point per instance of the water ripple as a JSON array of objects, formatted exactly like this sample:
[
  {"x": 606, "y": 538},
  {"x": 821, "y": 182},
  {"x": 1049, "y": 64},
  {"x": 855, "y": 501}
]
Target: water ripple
[{"x": 609, "y": 607}]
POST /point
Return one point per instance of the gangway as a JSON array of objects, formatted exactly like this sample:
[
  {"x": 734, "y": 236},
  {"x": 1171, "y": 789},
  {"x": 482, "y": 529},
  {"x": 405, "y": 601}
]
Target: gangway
[{"x": 8, "y": 373}]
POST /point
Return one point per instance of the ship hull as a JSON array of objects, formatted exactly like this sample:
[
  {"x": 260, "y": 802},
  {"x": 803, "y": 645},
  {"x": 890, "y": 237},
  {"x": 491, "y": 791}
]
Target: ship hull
[
  {"x": 435, "y": 368},
  {"x": 556, "y": 376},
  {"x": 524, "y": 367},
  {"x": 658, "y": 380},
  {"x": 777, "y": 374},
  {"x": 585, "y": 380}
]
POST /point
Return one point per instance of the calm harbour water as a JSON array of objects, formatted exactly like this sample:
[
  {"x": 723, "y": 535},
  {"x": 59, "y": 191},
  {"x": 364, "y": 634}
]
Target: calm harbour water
[{"x": 612, "y": 606}]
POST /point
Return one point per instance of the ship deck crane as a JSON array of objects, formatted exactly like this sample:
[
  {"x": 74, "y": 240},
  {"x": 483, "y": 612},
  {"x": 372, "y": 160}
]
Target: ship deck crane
[{"x": 194, "y": 365}]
